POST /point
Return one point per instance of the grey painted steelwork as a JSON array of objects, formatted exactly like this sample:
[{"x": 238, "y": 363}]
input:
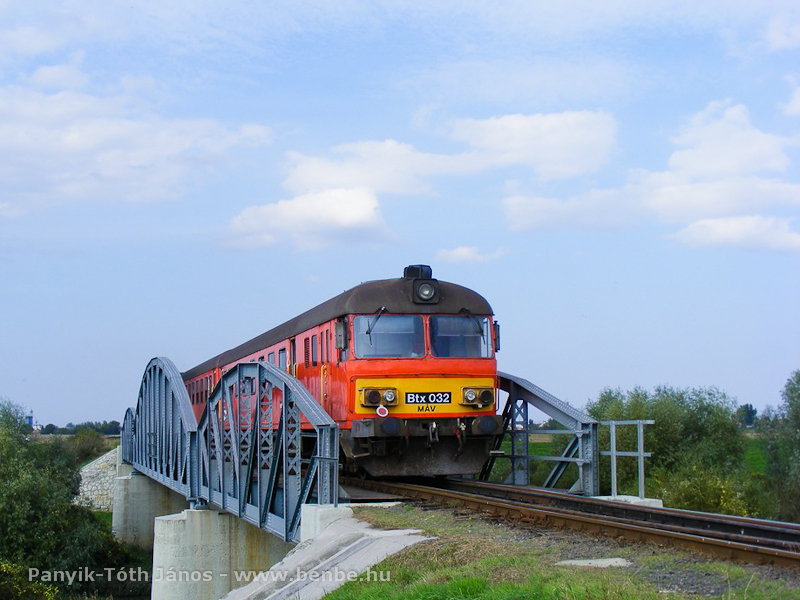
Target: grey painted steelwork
[
  {"x": 582, "y": 449},
  {"x": 640, "y": 454},
  {"x": 159, "y": 436},
  {"x": 234, "y": 458},
  {"x": 259, "y": 473}
]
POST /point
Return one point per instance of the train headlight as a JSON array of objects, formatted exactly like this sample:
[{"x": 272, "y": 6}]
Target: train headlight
[
  {"x": 425, "y": 291},
  {"x": 377, "y": 396},
  {"x": 478, "y": 397}
]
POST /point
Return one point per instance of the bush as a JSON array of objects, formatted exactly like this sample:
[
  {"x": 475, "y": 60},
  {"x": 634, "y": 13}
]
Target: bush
[
  {"x": 698, "y": 486},
  {"x": 87, "y": 444},
  {"x": 14, "y": 585},
  {"x": 694, "y": 426},
  {"x": 39, "y": 524},
  {"x": 782, "y": 432}
]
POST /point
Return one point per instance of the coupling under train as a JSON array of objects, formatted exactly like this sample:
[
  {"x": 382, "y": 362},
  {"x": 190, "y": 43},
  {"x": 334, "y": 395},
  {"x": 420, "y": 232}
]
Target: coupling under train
[{"x": 406, "y": 367}]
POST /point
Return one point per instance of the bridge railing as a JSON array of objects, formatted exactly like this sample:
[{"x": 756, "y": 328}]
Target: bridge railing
[
  {"x": 263, "y": 446},
  {"x": 581, "y": 450}
]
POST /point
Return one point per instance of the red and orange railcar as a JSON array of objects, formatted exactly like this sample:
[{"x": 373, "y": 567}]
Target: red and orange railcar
[{"x": 405, "y": 366}]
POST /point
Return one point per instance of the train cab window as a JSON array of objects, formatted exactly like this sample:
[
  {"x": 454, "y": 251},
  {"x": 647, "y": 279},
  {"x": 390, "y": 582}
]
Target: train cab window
[
  {"x": 271, "y": 358},
  {"x": 464, "y": 336},
  {"x": 389, "y": 336},
  {"x": 282, "y": 359},
  {"x": 313, "y": 350}
]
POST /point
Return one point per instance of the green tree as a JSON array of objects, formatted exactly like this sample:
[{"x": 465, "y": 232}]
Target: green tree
[
  {"x": 692, "y": 427},
  {"x": 782, "y": 432},
  {"x": 39, "y": 525},
  {"x": 746, "y": 415}
]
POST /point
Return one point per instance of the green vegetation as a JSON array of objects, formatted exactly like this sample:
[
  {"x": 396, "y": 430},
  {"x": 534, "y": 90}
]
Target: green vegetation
[
  {"x": 755, "y": 454},
  {"x": 40, "y": 526},
  {"x": 781, "y": 432},
  {"x": 104, "y": 428},
  {"x": 707, "y": 453},
  {"x": 14, "y": 584},
  {"x": 472, "y": 557},
  {"x": 702, "y": 458}
]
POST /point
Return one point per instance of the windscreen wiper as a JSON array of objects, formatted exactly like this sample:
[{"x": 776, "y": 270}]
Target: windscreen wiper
[
  {"x": 479, "y": 327},
  {"x": 371, "y": 326}
]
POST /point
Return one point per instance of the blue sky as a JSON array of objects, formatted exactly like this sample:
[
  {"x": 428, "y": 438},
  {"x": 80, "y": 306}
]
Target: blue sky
[{"x": 620, "y": 180}]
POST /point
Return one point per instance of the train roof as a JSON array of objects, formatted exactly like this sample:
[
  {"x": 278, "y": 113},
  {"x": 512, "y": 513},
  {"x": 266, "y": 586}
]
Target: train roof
[{"x": 395, "y": 295}]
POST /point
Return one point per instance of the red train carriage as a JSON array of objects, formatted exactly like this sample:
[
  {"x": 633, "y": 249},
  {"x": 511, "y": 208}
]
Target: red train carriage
[{"x": 406, "y": 367}]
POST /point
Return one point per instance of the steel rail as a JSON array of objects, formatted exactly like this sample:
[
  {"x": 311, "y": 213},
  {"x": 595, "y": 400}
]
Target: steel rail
[
  {"x": 547, "y": 516},
  {"x": 779, "y": 534}
]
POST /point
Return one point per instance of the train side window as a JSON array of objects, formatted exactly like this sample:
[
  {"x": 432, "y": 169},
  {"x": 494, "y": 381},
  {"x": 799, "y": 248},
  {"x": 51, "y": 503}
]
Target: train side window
[
  {"x": 328, "y": 346},
  {"x": 306, "y": 353},
  {"x": 271, "y": 358},
  {"x": 261, "y": 358},
  {"x": 282, "y": 359},
  {"x": 314, "y": 350}
]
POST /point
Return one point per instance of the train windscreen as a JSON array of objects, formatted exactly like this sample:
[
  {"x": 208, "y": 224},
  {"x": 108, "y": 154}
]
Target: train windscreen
[
  {"x": 465, "y": 336},
  {"x": 389, "y": 336}
]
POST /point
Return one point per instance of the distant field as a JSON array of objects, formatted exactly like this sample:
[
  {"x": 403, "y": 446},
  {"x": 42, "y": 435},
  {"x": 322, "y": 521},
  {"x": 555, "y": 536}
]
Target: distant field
[{"x": 755, "y": 454}]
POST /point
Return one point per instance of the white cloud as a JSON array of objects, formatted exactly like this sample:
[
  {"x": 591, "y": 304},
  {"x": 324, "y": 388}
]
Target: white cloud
[
  {"x": 716, "y": 173},
  {"x": 469, "y": 254},
  {"x": 767, "y": 233},
  {"x": 28, "y": 41},
  {"x": 792, "y": 108},
  {"x": 537, "y": 81},
  {"x": 675, "y": 201},
  {"x": 783, "y": 32},
  {"x": 75, "y": 147},
  {"x": 384, "y": 167},
  {"x": 59, "y": 77},
  {"x": 720, "y": 141},
  {"x": 558, "y": 145},
  {"x": 310, "y": 221},
  {"x": 603, "y": 209},
  {"x": 7, "y": 211},
  {"x": 554, "y": 145}
]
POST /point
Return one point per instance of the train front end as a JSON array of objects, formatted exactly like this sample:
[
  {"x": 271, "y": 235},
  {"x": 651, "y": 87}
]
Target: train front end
[{"x": 422, "y": 382}]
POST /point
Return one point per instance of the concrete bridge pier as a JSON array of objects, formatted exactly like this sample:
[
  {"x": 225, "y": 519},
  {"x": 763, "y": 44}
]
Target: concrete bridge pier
[
  {"x": 202, "y": 554},
  {"x": 138, "y": 500}
]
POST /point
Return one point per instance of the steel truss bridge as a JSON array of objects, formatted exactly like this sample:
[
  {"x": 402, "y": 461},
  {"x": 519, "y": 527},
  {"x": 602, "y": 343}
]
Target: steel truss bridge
[{"x": 264, "y": 446}]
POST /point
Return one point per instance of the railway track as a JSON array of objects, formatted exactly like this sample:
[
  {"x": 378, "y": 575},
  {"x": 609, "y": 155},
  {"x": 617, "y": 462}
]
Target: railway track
[{"x": 737, "y": 538}]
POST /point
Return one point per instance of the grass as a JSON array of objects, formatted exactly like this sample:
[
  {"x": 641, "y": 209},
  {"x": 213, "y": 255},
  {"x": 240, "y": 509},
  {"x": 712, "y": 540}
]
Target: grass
[
  {"x": 755, "y": 454},
  {"x": 476, "y": 558}
]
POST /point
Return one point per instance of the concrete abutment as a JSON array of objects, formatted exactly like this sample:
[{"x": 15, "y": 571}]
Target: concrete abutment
[
  {"x": 202, "y": 554},
  {"x": 138, "y": 500}
]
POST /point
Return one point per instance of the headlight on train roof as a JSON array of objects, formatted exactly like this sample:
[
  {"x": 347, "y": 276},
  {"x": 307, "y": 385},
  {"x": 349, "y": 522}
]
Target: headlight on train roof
[{"x": 425, "y": 291}]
